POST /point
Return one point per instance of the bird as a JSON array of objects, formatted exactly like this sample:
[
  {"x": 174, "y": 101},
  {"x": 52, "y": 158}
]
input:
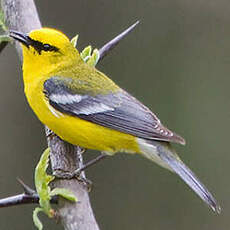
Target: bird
[{"x": 85, "y": 107}]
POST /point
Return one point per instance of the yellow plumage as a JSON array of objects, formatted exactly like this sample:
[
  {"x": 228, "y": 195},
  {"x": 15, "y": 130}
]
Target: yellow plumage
[{"x": 84, "y": 107}]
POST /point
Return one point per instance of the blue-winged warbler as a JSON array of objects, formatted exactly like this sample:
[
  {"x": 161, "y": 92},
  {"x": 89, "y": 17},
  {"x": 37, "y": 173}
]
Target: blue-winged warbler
[{"x": 84, "y": 107}]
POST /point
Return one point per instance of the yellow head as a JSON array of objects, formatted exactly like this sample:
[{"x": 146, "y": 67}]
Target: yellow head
[{"x": 46, "y": 50}]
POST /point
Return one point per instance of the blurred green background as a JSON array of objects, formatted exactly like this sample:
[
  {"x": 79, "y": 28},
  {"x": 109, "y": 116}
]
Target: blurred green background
[{"x": 177, "y": 62}]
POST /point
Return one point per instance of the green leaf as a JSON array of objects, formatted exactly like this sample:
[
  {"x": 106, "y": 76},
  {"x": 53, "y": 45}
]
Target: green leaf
[
  {"x": 93, "y": 60},
  {"x": 36, "y": 220},
  {"x": 74, "y": 40},
  {"x": 90, "y": 59},
  {"x": 42, "y": 180},
  {"x": 86, "y": 53},
  {"x": 65, "y": 193}
]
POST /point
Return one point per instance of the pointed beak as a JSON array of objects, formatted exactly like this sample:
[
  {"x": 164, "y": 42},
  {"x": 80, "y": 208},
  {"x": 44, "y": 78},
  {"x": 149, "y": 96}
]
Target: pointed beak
[{"x": 22, "y": 38}]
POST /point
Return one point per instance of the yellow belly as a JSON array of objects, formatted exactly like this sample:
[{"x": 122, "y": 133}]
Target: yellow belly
[{"x": 80, "y": 132}]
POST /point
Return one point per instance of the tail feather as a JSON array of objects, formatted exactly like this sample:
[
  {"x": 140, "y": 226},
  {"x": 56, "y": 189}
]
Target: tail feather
[{"x": 164, "y": 155}]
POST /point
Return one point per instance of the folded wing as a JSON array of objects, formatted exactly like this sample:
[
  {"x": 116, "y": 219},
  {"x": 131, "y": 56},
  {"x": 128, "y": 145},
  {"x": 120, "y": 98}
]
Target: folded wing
[{"x": 119, "y": 111}]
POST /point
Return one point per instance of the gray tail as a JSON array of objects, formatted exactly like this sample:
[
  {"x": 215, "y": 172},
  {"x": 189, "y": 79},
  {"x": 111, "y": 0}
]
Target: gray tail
[{"x": 163, "y": 154}]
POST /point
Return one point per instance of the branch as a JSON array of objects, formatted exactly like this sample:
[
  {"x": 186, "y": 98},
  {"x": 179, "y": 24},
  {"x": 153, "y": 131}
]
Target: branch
[
  {"x": 28, "y": 197},
  {"x": 19, "y": 200},
  {"x": 103, "y": 51},
  {"x": 24, "y": 199}
]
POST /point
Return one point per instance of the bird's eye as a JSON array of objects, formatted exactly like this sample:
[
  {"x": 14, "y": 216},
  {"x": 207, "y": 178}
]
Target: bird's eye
[{"x": 47, "y": 47}]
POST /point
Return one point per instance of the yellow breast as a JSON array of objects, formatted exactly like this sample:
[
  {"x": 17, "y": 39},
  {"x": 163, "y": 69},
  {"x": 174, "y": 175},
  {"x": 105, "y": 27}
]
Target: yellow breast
[{"x": 75, "y": 130}]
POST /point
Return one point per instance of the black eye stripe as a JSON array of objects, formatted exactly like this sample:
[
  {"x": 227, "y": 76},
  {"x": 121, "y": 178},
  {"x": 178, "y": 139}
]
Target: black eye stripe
[
  {"x": 47, "y": 47},
  {"x": 39, "y": 46}
]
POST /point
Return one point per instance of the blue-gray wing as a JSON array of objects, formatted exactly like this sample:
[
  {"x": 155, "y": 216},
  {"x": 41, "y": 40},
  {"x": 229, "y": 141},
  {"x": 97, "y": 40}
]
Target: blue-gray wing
[{"x": 119, "y": 111}]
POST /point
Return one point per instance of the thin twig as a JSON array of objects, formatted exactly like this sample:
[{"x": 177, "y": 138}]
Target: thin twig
[
  {"x": 91, "y": 162},
  {"x": 28, "y": 197},
  {"x": 23, "y": 199},
  {"x": 26, "y": 188},
  {"x": 103, "y": 51},
  {"x": 18, "y": 200}
]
